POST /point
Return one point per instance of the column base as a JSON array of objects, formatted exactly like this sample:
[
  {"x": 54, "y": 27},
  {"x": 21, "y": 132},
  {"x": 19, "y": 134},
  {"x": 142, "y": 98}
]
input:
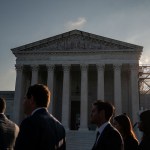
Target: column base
[
  {"x": 83, "y": 129},
  {"x": 67, "y": 129}
]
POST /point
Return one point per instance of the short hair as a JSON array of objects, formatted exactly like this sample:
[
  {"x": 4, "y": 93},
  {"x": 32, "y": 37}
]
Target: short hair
[
  {"x": 40, "y": 93},
  {"x": 145, "y": 119},
  {"x": 2, "y": 105},
  {"x": 106, "y": 106}
]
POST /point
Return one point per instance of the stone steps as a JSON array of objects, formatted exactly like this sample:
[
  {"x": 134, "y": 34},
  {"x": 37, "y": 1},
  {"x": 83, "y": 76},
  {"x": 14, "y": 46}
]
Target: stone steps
[{"x": 80, "y": 140}]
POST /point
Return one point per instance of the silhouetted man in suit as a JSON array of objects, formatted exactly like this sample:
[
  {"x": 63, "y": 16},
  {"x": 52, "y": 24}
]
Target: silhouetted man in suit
[
  {"x": 8, "y": 129},
  {"x": 108, "y": 138},
  {"x": 40, "y": 130}
]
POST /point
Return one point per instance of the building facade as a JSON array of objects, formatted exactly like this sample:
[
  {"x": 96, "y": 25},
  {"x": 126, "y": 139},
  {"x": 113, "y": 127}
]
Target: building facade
[
  {"x": 9, "y": 97},
  {"x": 79, "y": 68}
]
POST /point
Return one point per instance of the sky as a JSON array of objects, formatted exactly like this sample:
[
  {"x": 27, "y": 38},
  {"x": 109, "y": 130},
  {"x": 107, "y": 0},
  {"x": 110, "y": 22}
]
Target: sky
[{"x": 26, "y": 21}]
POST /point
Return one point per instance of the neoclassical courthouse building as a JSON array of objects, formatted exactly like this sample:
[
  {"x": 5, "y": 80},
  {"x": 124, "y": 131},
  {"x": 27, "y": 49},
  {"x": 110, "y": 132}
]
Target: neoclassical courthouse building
[{"x": 79, "y": 68}]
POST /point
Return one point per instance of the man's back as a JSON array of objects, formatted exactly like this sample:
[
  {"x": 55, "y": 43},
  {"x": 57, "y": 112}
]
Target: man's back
[
  {"x": 41, "y": 131},
  {"x": 8, "y": 133}
]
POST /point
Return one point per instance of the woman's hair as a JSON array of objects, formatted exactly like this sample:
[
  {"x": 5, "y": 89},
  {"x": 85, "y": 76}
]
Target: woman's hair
[{"x": 125, "y": 124}]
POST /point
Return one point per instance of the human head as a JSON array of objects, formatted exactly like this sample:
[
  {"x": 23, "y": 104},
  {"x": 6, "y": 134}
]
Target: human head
[
  {"x": 144, "y": 124},
  {"x": 38, "y": 95},
  {"x": 101, "y": 112},
  {"x": 123, "y": 124},
  {"x": 2, "y": 105}
]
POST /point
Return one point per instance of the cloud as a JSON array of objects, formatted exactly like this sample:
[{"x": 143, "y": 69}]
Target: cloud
[
  {"x": 144, "y": 60},
  {"x": 79, "y": 23}
]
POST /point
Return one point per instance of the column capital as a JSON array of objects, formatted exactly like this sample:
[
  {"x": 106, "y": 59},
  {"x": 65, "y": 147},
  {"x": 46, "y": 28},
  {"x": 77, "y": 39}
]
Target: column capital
[
  {"x": 66, "y": 67},
  {"x": 100, "y": 67},
  {"x": 19, "y": 67},
  {"x": 35, "y": 67},
  {"x": 134, "y": 66},
  {"x": 117, "y": 67},
  {"x": 84, "y": 67},
  {"x": 50, "y": 67}
]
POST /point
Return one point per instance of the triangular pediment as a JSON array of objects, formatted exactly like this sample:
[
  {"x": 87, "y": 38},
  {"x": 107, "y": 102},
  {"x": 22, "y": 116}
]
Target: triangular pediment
[{"x": 76, "y": 40}]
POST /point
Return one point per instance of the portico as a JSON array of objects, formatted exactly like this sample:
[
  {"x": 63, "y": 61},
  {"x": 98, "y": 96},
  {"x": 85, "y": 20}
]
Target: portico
[{"x": 78, "y": 68}]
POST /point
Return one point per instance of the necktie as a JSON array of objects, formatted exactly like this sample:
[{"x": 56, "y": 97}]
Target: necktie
[{"x": 97, "y": 136}]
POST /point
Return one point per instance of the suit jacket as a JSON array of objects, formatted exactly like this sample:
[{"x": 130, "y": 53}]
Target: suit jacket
[
  {"x": 110, "y": 139},
  {"x": 8, "y": 133},
  {"x": 41, "y": 131}
]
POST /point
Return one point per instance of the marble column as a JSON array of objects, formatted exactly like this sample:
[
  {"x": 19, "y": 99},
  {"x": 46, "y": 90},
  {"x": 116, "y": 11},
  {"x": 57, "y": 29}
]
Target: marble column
[
  {"x": 34, "y": 79},
  {"x": 84, "y": 98},
  {"x": 117, "y": 89},
  {"x": 18, "y": 94},
  {"x": 50, "y": 83},
  {"x": 66, "y": 97},
  {"x": 134, "y": 92},
  {"x": 100, "y": 81}
]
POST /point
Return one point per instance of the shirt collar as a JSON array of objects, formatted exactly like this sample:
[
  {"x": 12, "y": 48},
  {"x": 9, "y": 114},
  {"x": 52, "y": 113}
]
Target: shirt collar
[
  {"x": 102, "y": 127},
  {"x": 37, "y": 110}
]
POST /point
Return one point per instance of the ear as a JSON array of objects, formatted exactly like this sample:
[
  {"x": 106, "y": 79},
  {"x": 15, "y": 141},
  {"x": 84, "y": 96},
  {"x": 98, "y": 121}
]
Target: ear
[
  {"x": 102, "y": 113},
  {"x": 32, "y": 102}
]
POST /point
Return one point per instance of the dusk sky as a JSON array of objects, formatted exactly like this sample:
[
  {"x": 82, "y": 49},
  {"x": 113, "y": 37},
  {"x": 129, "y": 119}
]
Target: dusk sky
[{"x": 26, "y": 21}]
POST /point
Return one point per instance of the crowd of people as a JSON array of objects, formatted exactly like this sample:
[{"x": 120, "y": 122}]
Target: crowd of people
[{"x": 42, "y": 131}]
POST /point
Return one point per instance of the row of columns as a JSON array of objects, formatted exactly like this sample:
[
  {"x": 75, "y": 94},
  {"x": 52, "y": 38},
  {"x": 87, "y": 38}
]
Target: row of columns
[{"x": 84, "y": 90}]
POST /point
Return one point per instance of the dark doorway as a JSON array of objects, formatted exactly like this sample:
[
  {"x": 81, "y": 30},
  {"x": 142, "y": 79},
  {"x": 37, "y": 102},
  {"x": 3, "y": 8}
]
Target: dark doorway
[{"x": 75, "y": 115}]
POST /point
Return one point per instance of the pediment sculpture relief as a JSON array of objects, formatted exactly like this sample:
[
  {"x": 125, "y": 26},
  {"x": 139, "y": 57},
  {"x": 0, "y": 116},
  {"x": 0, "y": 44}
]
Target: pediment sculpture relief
[{"x": 78, "y": 42}]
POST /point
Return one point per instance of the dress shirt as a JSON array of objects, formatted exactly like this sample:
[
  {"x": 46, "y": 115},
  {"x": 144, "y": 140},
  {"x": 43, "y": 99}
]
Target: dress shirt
[
  {"x": 101, "y": 129},
  {"x": 37, "y": 110}
]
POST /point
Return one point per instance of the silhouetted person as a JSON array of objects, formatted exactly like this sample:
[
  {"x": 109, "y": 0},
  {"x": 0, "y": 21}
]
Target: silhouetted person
[
  {"x": 8, "y": 129},
  {"x": 108, "y": 137},
  {"x": 40, "y": 130},
  {"x": 144, "y": 126},
  {"x": 124, "y": 126}
]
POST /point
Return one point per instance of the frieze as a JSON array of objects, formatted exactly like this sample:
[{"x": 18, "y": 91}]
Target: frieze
[{"x": 103, "y": 54}]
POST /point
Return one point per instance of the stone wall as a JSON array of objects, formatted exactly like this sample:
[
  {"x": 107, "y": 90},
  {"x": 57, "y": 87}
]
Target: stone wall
[{"x": 9, "y": 96}]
